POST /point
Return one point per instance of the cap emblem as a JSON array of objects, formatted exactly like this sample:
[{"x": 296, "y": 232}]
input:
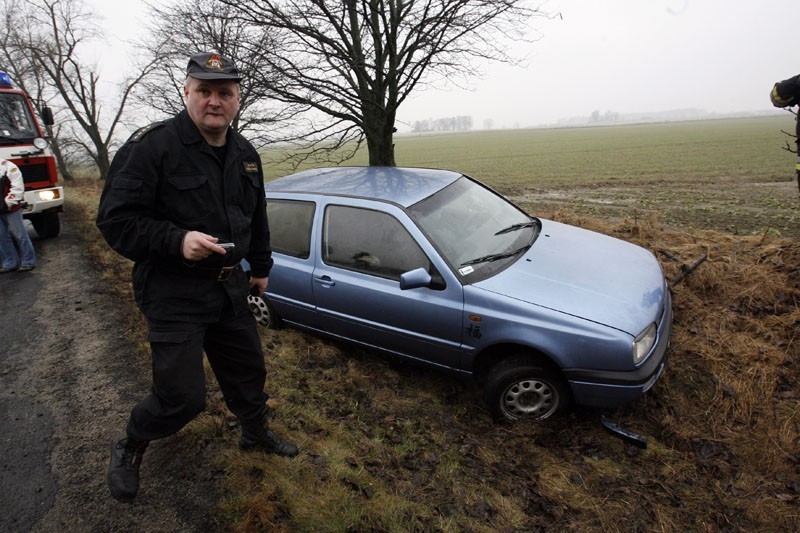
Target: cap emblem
[{"x": 214, "y": 62}]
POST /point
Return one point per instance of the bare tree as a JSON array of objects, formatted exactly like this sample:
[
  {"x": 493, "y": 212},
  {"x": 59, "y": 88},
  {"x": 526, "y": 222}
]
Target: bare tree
[
  {"x": 795, "y": 141},
  {"x": 350, "y": 64},
  {"x": 185, "y": 27},
  {"x": 52, "y": 34}
]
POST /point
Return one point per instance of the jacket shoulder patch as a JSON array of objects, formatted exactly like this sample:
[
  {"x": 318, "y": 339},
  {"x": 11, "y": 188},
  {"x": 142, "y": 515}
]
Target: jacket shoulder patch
[
  {"x": 139, "y": 134},
  {"x": 251, "y": 167}
]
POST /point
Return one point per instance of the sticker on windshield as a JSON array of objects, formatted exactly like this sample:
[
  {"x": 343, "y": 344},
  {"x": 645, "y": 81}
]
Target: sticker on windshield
[{"x": 466, "y": 270}]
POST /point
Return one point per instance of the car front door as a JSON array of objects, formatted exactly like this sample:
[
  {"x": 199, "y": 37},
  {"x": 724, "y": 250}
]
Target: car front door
[{"x": 357, "y": 290}]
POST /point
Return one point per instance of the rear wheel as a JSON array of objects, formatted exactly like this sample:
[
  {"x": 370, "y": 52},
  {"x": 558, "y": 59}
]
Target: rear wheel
[
  {"x": 520, "y": 388},
  {"x": 264, "y": 312},
  {"x": 46, "y": 224}
]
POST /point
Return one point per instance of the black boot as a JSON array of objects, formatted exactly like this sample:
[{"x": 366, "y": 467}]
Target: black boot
[
  {"x": 123, "y": 470},
  {"x": 256, "y": 435}
]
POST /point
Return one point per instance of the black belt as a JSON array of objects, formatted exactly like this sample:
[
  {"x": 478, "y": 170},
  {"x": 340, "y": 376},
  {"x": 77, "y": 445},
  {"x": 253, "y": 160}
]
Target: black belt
[{"x": 220, "y": 273}]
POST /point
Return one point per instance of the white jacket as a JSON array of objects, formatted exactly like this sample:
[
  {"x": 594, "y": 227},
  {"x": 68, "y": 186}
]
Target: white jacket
[{"x": 14, "y": 196}]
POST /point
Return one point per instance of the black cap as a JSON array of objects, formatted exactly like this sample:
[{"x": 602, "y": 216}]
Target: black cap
[{"x": 212, "y": 66}]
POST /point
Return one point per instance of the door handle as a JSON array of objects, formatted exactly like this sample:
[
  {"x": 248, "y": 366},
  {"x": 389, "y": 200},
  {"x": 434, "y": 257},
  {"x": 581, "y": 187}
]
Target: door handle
[{"x": 325, "y": 281}]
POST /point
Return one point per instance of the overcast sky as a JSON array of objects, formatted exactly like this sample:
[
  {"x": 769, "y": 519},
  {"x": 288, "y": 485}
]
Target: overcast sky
[{"x": 625, "y": 56}]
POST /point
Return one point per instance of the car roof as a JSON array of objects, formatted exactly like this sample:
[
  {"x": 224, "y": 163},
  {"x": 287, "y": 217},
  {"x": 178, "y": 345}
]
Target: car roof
[{"x": 403, "y": 186}]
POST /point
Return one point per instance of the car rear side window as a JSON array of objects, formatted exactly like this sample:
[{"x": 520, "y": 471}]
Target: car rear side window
[
  {"x": 369, "y": 241},
  {"x": 290, "y": 226}
]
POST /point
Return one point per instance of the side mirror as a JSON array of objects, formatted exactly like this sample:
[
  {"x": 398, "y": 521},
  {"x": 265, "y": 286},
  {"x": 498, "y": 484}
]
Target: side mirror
[
  {"x": 47, "y": 115},
  {"x": 414, "y": 279}
]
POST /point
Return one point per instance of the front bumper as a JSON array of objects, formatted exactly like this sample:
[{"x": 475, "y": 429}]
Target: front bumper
[
  {"x": 598, "y": 388},
  {"x": 41, "y": 200}
]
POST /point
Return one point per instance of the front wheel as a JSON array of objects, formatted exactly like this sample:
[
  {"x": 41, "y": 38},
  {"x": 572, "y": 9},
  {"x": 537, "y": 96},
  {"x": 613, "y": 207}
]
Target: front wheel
[
  {"x": 46, "y": 224},
  {"x": 522, "y": 389}
]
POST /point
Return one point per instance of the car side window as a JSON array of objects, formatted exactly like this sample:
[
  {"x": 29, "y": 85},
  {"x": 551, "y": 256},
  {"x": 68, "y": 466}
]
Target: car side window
[
  {"x": 369, "y": 241},
  {"x": 290, "y": 226}
]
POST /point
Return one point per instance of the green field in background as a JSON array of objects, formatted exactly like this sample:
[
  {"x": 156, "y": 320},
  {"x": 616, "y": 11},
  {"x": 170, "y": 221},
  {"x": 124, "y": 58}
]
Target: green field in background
[
  {"x": 747, "y": 147},
  {"x": 728, "y": 174}
]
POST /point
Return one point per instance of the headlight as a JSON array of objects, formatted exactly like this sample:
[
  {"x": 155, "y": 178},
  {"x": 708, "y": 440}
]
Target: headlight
[
  {"x": 643, "y": 344},
  {"x": 40, "y": 143},
  {"x": 46, "y": 196}
]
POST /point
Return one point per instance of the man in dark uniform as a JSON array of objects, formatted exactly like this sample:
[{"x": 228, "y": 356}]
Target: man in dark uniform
[
  {"x": 184, "y": 199},
  {"x": 786, "y": 93}
]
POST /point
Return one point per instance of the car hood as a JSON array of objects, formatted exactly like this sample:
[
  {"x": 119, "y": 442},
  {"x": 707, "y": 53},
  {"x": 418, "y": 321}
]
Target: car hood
[{"x": 586, "y": 274}]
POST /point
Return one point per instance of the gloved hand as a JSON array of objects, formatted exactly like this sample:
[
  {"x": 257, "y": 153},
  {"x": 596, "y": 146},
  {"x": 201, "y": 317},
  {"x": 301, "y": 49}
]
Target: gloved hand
[{"x": 786, "y": 93}]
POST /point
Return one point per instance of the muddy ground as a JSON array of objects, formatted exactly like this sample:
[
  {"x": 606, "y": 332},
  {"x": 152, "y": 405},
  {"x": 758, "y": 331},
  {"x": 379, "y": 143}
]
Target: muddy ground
[{"x": 68, "y": 377}]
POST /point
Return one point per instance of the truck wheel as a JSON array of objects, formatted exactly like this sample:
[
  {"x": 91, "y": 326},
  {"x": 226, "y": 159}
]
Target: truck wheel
[
  {"x": 521, "y": 388},
  {"x": 46, "y": 225}
]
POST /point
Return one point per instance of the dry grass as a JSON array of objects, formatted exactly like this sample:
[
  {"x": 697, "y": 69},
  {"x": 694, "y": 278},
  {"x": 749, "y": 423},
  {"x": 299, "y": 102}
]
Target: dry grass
[{"x": 388, "y": 447}]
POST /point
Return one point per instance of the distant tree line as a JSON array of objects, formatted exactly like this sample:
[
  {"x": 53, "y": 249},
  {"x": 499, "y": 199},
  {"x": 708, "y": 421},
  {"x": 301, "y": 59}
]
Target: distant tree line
[
  {"x": 608, "y": 116},
  {"x": 460, "y": 123}
]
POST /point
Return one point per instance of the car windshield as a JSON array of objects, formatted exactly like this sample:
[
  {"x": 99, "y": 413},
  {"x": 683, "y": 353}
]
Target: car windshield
[
  {"x": 476, "y": 230},
  {"x": 15, "y": 118}
]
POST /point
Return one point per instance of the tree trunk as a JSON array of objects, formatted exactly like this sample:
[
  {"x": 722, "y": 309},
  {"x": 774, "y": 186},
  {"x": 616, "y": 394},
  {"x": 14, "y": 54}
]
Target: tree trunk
[
  {"x": 103, "y": 163},
  {"x": 380, "y": 140},
  {"x": 61, "y": 163},
  {"x": 381, "y": 151}
]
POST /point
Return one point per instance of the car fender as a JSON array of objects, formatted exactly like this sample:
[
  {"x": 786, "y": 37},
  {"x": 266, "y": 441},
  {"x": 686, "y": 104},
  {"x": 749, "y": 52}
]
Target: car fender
[{"x": 568, "y": 341}]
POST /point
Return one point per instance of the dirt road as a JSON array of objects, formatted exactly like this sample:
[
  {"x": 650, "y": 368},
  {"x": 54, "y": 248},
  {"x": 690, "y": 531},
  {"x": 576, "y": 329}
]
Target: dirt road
[{"x": 68, "y": 378}]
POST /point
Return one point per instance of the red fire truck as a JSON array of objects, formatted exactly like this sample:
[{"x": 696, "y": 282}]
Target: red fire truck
[{"x": 23, "y": 143}]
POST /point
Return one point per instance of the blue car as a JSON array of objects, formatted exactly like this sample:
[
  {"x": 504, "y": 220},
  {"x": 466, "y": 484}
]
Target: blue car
[{"x": 432, "y": 265}]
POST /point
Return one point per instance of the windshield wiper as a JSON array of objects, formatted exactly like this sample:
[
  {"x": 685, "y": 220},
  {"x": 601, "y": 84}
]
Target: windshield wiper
[
  {"x": 495, "y": 257},
  {"x": 515, "y": 227}
]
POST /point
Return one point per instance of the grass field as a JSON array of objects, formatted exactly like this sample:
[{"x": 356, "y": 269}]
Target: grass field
[
  {"x": 728, "y": 174},
  {"x": 388, "y": 447}
]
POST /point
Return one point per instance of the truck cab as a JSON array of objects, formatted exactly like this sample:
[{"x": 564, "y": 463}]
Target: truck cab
[{"x": 23, "y": 143}]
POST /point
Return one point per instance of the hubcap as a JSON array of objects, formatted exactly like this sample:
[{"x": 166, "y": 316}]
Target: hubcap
[
  {"x": 259, "y": 309},
  {"x": 530, "y": 398}
]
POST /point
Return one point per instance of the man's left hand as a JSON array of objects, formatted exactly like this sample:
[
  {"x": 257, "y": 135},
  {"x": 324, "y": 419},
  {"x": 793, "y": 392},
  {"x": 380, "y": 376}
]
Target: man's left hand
[{"x": 261, "y": 283}]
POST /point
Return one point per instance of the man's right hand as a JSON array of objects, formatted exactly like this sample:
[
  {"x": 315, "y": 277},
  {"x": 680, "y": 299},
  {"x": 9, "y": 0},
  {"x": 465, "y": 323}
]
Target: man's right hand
[{"x": 197, "y": 246}]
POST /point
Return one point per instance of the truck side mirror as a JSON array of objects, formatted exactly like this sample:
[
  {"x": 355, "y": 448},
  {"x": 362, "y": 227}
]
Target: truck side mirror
[{"x": 47, "y": 115}]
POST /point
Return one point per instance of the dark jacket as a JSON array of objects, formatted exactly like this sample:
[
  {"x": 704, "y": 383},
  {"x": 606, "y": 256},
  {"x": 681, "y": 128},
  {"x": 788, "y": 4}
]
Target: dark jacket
[{"x": 165, "y": 181}]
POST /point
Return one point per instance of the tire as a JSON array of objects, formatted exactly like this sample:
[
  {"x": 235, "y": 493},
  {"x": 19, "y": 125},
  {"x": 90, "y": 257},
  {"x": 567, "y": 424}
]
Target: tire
[
  {"x": 520, "y": 388},
  {"x": 263, "y": 312},
  {"x": 47, "y": 225}
]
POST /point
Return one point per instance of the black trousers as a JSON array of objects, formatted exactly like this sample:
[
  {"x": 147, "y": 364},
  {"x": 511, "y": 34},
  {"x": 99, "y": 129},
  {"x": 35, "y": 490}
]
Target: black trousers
[{"x": 178, "y": 394}]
